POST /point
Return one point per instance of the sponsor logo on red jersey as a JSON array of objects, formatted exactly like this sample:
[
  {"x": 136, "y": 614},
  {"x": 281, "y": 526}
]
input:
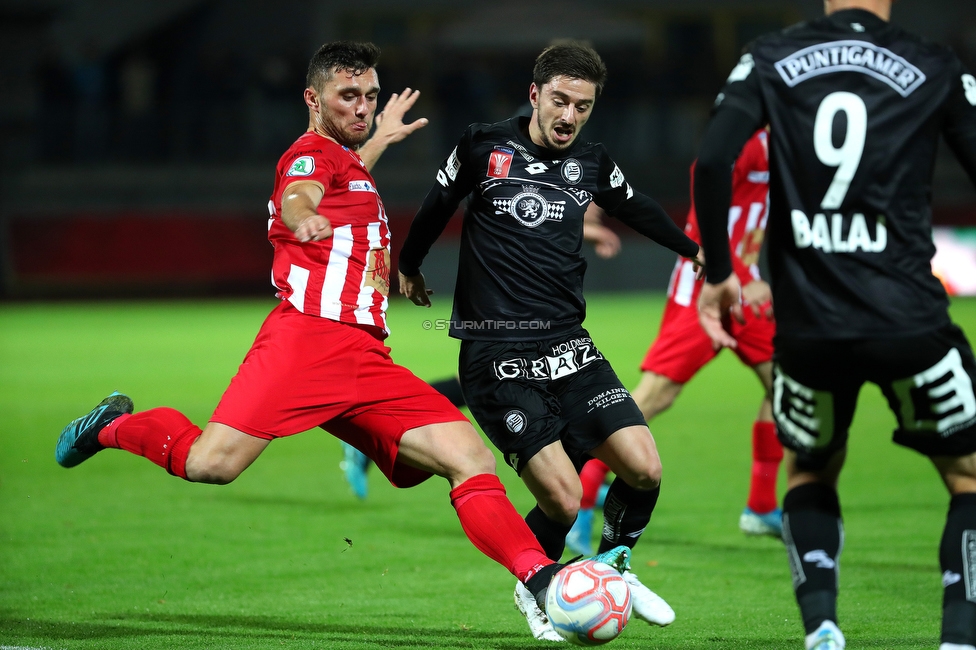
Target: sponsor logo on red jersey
[
  {"x": 361, "y": 186},
  {"x": 500, "y": 161}
]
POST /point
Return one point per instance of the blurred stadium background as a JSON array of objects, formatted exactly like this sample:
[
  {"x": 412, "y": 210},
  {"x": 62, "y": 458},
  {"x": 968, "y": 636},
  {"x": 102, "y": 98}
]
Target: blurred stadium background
[
  {"x": 137, "y": 148},
  {"x": 138, "y": 139}
]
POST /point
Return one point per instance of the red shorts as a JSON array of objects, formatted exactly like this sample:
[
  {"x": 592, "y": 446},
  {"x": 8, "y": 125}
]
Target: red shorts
[
  {"x": 305, "y": 371},
  {"x": 682, "y": 348}
]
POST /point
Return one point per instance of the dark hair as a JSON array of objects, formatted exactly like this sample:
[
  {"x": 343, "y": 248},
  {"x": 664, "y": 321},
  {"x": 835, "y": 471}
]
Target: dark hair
[
  {"x": 351, "y": 56},
  {"x": 570, "y": 59}
]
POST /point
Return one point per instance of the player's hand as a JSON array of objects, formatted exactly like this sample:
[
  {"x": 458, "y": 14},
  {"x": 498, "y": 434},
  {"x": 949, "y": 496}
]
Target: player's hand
[
  {"x": 415, "y": 288},
  {"x": 313, "y": 228},
  {"x": 699, "y": 262},
  {"x": 758, "y": 297},
  {"x": 716, "y": 303},
  {"x": 389, "y": 121},
  {"x": 605, "y": 242}
]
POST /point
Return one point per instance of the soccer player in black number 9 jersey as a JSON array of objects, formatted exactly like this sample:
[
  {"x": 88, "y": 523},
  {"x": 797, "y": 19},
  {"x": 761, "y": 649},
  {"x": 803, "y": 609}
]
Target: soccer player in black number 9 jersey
[
  {"x": 531, "y": 375},
  {"x": 856, "y": 107}
]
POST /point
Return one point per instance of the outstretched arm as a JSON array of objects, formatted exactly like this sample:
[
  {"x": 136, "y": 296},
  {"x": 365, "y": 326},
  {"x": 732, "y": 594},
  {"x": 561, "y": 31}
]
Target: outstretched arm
[
  {"x": 299, "y": 202},
  {"x": 390, "y": 128},
  {"x": 453, "y": 183},
  {"x": 615, "y": 195},
  {"x": 605, "y": 242},
  {"x": 644, "y": 215},
  {"x": 414, "y": 287},
  {"x": 721, "y": 295}
]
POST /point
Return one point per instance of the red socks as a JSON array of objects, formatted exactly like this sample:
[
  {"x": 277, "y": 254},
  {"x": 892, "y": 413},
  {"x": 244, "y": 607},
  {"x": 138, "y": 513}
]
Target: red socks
[
  {"x": 495, "y": 528},
  {"x": 163, "y": 435},
  {"x": 592, "y": 477},
  {"x": 767, "y": 452}
]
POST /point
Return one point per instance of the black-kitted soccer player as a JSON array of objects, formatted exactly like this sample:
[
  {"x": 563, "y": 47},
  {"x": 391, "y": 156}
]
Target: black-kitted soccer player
[
  {"x": 856, "y": 105},
  {"x": 530, "y": 373}
]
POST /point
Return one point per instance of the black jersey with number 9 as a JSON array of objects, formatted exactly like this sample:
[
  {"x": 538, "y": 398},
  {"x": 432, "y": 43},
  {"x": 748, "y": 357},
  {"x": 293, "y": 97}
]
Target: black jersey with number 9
[{"x": 855, "y": 106}]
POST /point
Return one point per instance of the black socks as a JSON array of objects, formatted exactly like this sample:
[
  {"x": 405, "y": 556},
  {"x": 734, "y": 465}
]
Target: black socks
[
  {"x": 957, "y": 557},
  {"x": 814, "y": 537},
  {"x": 625, "y": 514}
]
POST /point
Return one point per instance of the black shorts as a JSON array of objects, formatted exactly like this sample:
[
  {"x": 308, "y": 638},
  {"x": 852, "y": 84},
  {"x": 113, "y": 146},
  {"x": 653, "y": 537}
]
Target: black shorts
[
  {"x": 927, "y": 380},
  {"x": 527, "y": 395}
]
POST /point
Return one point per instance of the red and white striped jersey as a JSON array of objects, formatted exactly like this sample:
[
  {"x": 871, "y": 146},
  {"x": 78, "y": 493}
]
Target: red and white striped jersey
[
  {"x": 747, "y": 221},
  {"x": 345, "y": 277}
]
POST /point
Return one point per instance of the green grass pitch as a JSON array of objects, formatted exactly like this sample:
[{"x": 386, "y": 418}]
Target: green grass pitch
[{"x": 117, "y": 554}]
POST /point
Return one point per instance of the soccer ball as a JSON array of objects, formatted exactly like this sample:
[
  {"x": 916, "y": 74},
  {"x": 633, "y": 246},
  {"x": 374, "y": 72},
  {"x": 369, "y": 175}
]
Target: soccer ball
[{"x": 588, "y": 603}]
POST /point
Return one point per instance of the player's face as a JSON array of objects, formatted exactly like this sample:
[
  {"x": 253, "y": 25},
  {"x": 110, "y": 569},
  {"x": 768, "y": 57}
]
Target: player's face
[
  {"x": 561, "y": 107},
  {"x": 346, "y": 106}
]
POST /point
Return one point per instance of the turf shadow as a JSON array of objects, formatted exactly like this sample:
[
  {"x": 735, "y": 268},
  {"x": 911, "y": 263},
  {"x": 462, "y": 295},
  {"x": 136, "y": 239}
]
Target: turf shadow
[{"x": 112, "y": 626}]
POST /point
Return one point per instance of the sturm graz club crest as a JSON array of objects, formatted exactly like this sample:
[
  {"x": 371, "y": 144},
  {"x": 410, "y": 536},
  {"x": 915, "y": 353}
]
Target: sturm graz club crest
[
  {"x": 515, "y": 421},
  {"x": 529, "y": 207},
  {"x": 572, "y": 171}
]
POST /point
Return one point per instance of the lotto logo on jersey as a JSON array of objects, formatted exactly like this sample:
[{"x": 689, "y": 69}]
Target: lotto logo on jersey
[
  {"x": 500, "y": 161},
  {"x": 303, "y": 166}
]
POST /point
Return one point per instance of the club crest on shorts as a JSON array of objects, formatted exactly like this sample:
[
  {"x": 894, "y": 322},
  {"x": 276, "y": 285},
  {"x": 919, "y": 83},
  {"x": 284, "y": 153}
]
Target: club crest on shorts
[
  {"x": 571, "y": 171},
  {"x": 515, "y": 421}
]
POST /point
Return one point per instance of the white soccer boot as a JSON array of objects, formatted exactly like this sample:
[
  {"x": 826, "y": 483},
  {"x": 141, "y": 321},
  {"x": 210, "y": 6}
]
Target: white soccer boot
[
  {"x": 956, "y": 646},
  {"x": 826, "y": 637},
  {"x": 648, "y": 606},
  {"x": 538, "y": 622}
]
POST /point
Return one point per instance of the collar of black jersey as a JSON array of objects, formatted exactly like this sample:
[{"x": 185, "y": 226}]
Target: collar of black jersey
[
  {"x": 519, "y": 122},
  {"x": 870, "y": 21}
]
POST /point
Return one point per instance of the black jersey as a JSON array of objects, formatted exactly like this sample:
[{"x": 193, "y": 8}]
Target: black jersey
[
  {"x": 520, "y": 275},
  {"x": 856, "y": 106}
]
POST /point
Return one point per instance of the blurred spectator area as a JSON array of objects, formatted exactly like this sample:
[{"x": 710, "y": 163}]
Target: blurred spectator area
[{"x": 138, "y": 140}]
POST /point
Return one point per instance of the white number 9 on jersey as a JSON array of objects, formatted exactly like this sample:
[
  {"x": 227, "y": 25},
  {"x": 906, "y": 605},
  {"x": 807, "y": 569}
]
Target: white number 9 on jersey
[{"x": 847, "y": 157}]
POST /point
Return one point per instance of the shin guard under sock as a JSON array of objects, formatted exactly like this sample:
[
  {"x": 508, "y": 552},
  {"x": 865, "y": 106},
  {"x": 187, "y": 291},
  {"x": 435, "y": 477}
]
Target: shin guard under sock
[
  {"x": 163, "y": 435},
  {"x": 957, "y": 556},
  {"x": 495, "y": 528},
  {"x": 551, "y": 534},
  {"x": 625, "y": 514},
  {"x": 767, "y": 452},
  {"x": 814, "y": 537}
]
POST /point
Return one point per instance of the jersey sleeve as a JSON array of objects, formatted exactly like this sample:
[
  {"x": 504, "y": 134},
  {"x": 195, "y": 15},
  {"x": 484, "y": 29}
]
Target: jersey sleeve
[
  {"x": 643, "y": 214},
  {"x": 739, "y": 112},
  {"x": 959, "y": 125},
  {"x": 316, "y": 167},
  {"x": 454, "y": 181},
  {"x": 742, "y": 92}
]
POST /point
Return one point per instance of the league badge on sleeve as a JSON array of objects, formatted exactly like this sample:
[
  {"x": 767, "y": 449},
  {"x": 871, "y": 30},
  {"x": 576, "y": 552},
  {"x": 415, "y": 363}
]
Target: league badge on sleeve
[
  {"x": 500, "y": 161},
  {"x": 303, "y": 166},
  {"x": 616, "y": 177}
]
